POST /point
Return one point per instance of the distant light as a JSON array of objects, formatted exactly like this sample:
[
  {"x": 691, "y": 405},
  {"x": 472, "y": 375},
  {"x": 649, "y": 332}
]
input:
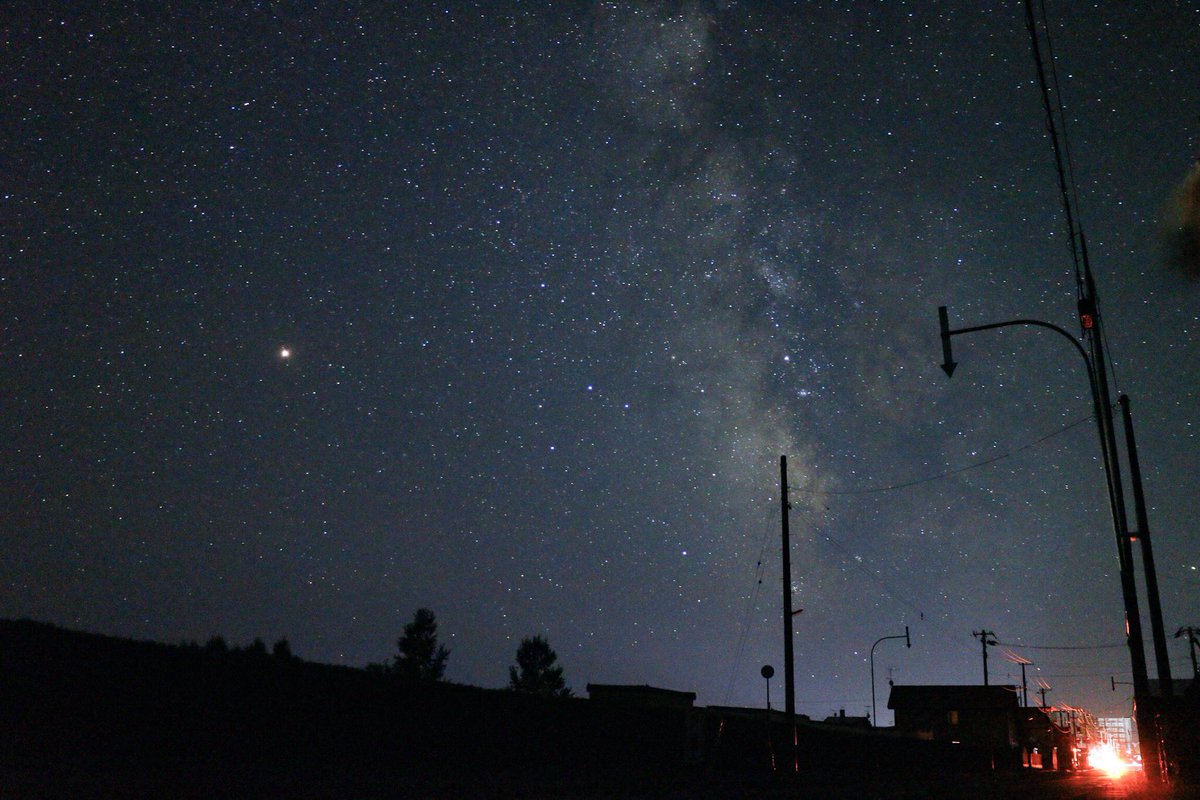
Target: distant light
[
  {"x": 285, "y": 353},
  {"x": 1105, "y": 759}
]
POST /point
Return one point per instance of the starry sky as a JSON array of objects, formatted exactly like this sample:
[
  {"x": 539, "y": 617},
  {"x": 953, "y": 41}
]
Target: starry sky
[{"x": 558, "y": 284}]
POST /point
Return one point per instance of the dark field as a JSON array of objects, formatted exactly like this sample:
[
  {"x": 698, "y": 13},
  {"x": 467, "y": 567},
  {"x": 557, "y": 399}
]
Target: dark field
[
  {"x": 85, "y": 716},
  {"x": 590, "y": 784}
]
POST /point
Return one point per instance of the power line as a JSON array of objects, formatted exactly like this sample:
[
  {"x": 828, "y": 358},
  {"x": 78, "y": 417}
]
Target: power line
[
  {"x": 1052, "y": 129},
  {"x": 1105, "y": 674},
  {"x": 1063, "y": 647},
  {"x": 948, "y": 473},
  {"x": 856, "y": 561},
  {"x": 751, "y": 605}
]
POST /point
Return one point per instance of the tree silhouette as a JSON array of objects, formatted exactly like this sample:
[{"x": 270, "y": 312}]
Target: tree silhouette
[
  {"x": 421, "y": 658},
  {"x": 282, "y": 650},
  {"x": 535, "y": 672}
]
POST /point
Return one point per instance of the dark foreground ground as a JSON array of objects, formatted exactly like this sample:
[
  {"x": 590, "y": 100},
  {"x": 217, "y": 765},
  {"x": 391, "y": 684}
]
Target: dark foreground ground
[
  {"x": 591, "y": 785},
  {"x": 84, "y": 716}
]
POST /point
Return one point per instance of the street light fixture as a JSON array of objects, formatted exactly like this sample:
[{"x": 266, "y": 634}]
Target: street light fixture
[
  {"x": 1098, "y": 386},
  {"x": 908, "y": 643}
]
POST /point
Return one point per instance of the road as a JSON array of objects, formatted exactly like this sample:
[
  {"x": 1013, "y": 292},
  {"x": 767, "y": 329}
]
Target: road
[
  {"x": 1096, "y": 785},
  {"x": 1023, "y": 785}
]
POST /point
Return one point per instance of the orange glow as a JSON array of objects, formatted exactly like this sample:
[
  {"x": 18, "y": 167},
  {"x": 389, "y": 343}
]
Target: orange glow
[{"x": 1105, "y": 758}]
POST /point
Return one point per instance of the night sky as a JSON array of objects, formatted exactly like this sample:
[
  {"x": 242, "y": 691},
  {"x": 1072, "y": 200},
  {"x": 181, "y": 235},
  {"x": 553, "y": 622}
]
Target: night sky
[{"x": 558, "y": 283}]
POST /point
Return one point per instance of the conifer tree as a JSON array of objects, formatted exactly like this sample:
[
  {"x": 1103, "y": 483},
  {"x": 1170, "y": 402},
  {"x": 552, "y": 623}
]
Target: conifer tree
[
  {"x": 534, "y": 672},
  {"x": 421, "y": 658}
]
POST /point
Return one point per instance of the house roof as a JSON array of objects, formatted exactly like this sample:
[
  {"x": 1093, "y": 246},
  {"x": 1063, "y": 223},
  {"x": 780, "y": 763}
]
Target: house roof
[
  {"x": 639, "y": 694},
  {"x": 640, "y": 688},
  {"x": 953, "y": 697}
]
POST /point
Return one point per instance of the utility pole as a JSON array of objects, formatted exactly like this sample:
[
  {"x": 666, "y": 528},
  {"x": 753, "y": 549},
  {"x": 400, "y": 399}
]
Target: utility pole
[
  {"x": 1161, "y": 657},
  {"x": 789, "y": 667},
  {"x": 1149, "y": 735},
  {"x": 986, "y": 638},
  {"x": 1091, "y": 323},
  {"x": 1194, "y": 645},
  {"x": 1024, "y": 662},
  {"x": 1043, "y": 691}
]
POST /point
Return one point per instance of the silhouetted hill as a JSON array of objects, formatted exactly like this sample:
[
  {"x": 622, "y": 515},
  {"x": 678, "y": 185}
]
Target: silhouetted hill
[
  {"x": 84, "y": 715},
  {"x": 83, "y": 704}
]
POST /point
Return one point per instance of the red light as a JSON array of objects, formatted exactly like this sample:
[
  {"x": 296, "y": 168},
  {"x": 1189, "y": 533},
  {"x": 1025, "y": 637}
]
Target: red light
[{"x": 1087, "y": 313}]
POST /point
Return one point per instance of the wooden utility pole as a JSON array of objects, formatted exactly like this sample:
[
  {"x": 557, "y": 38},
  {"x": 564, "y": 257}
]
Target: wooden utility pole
[
  {"x": 789, "y": 667},
  {"x": 986, "y": 639}
]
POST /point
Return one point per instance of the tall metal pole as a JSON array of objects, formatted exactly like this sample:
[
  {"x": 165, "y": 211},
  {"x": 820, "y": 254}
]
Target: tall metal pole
[
  {"x": 1161, "y": 657},
  {"x": 1097, "y": 373},
  {"x": 1148, "y": 734},
  {"x": 789, "y": 667},
  {"x": 1091, "y": 322},
  {"x": 1090, "y": 317}
]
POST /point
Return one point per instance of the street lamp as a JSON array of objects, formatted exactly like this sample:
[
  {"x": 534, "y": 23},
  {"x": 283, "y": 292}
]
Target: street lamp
[
  {"x": 1098, "y": 386},
  {"x": 908, "y": 643}
]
